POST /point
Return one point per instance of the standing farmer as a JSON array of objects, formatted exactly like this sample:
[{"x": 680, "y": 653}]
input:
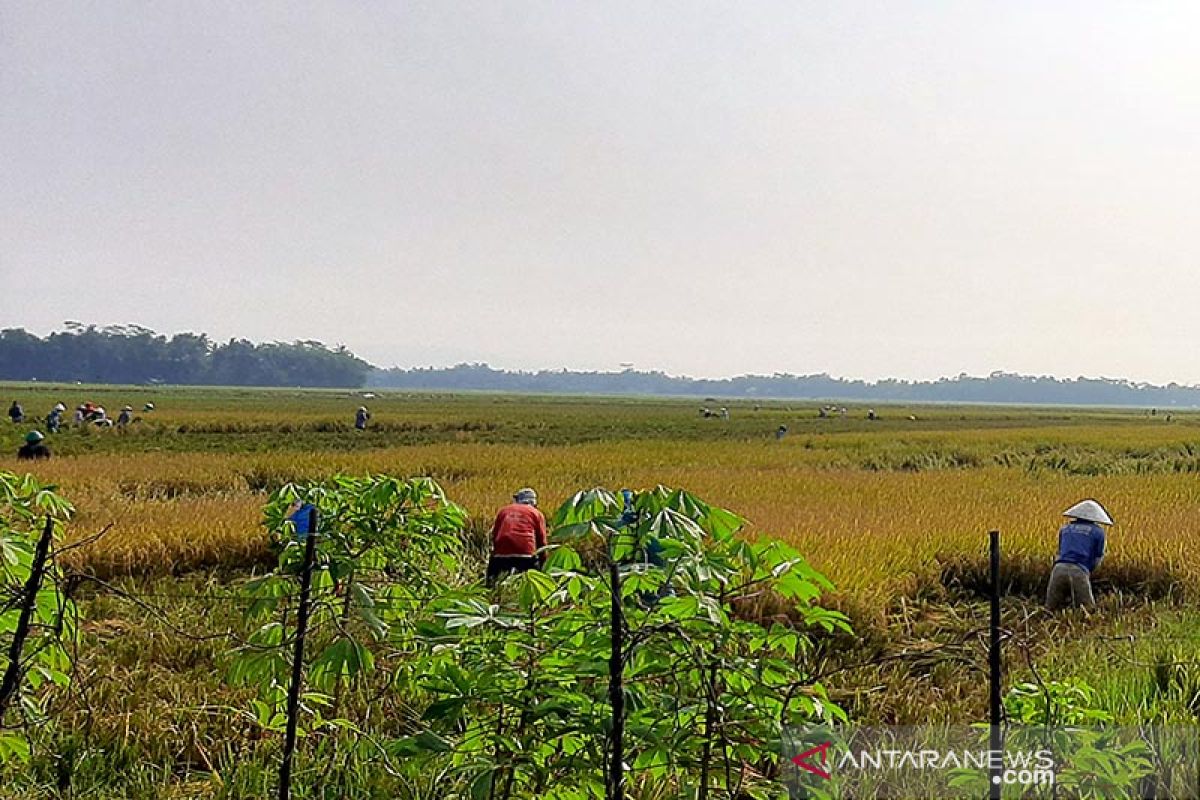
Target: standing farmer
[
  {"x": 1080, "y": 551},
  {"x": 361, "y": 417},
  {"x": 517, "y": 535},
  {"x": 16, "y": 413}
]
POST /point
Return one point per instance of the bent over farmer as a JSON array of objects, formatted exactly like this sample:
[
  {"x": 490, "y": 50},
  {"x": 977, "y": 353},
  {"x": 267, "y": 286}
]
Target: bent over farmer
[
  {"x": 34, "y": 447},
  {"x": 518, "y": 533},
  {"x": 1080, "y": 551}
]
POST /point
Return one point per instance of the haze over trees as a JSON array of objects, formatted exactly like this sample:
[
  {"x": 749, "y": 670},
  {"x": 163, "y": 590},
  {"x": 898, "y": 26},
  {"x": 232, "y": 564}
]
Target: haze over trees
[
  {"x": 133, "y": 354},
  {"x": 999, "y": 387}
]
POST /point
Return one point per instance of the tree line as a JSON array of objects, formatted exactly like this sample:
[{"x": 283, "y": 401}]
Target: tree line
[
  {"x": 998, "y": 387},
  {"x": 133, "y": 354}
]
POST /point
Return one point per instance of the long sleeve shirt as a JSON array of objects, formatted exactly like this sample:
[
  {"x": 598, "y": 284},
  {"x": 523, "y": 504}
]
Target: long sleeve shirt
[
  {"x": 519, "y": 530},
  {"x": 1081, "y": 543}
]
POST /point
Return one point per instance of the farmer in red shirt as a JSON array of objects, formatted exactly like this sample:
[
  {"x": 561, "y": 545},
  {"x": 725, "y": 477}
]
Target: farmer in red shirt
[{"x": 517, "y": 535}]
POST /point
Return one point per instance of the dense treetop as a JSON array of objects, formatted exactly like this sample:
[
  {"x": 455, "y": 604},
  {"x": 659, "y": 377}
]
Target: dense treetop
[{"x": 133, "y": 354}]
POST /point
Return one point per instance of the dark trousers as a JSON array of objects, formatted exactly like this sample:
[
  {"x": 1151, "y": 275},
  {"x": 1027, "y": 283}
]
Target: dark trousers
[
  {"x": 498, "y": 566},
  {"x": 1070, "y": 587}
]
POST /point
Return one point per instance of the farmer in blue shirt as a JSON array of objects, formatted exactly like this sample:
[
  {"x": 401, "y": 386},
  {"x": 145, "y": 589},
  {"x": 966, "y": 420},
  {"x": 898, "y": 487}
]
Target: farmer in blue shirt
[
  {"x": 1080, "y": 551},
  {"x": 302, "y": 517}
]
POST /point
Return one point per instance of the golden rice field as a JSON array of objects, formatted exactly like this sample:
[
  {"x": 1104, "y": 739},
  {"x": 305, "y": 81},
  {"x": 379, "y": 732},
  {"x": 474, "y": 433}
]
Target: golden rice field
[
  {"x": 872, "y": 504},
  {"x": 894, "y": 511}
]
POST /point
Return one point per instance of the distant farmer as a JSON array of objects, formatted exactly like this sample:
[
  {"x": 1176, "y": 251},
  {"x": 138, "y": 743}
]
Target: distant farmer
[
  {"x": 517, "y": 535},
  {"x": 34, "y": 448},
  {"x": 80, "y": 414},
  {"x": 125, "y": 417},
  {"x": 361, "y": 417},
  {"x": 1080, "y": 551},
  {"x": 54, "y": 418},
  {"x": 871, "y": 414},
  {"x": 148, "y": 407},
  {"x": 780, "y": 432},
  {"x": 16, "y": 413}
]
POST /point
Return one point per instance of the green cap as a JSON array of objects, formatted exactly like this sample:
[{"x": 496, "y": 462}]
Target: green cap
[{"x": 33, "y": 437}]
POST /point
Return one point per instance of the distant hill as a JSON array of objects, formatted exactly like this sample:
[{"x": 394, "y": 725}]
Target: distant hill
[{"x": 999, "y": 387}]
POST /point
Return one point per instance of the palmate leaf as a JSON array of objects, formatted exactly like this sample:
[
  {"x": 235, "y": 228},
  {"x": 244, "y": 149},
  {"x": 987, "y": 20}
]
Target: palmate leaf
[
  {"x": 420, "y": 744},
  {"x": 534, "y": 588},
  {"x": 344, "y": 659},
  {"x": 13, "y": 748},
  {"x": 717, "y": 521},
  {"x": 475, "y": 614},
  {"x": 623, "y": 545},
  {"x": 363, "y": 604},
  {"x": 673, "y": 525},
  {"x": 588, "y": 505},
  {"x": 598, "y": 529},
  {"x": 652, "y": 501},
  {"x": 563, "y": 559}
]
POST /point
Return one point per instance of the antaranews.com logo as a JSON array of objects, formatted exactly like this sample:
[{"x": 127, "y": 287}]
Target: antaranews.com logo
[
  {"x": 1021, "y": 768},
  {"x": 953, "y": 762}
]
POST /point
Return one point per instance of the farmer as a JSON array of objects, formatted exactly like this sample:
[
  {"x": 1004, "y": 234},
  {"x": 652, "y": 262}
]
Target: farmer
[
  {"x": 125, "y": 417},
  {"x": 517, "y": 535},
  {"x": 33, "y": 448},
  {"x": 15, "y": 412},
  {"x": 780, "y": 432},
  {"x": 1080, "y": 551},
  {"x": 361, "y": 417},
  {"x": 302, "y": 517},
  {"x": 54, "y": 419}
]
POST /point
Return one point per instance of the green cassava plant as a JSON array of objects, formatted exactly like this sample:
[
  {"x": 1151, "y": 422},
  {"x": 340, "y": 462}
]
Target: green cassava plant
[
  {"x": 43, "y": 665},
  {"x": 519, "y": 679},
  {"x": 505, "y": 692},
  {"x": 385, "y": 548}
]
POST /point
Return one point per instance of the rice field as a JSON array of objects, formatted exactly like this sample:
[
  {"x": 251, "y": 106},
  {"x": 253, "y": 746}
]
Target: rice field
[
  {"x": 873, "y": 504},
  {"x": 894, "y": 511}
]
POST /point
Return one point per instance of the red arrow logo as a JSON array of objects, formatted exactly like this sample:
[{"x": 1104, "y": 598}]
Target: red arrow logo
[{"x": 821, "y": 751}]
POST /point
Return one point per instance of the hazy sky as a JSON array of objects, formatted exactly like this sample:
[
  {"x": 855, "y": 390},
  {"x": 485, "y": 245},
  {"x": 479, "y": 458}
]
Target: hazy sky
[{"x": 870, "y": 189}]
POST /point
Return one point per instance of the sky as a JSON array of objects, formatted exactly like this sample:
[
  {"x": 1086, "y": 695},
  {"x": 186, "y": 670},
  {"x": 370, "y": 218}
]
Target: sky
[{"x": 906, "y": 189}]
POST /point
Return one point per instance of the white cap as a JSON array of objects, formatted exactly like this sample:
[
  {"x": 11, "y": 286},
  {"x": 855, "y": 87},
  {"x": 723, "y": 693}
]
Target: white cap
[
  {"x": 1089, "y": 510},
  {"x": 526, "y": 496}
]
